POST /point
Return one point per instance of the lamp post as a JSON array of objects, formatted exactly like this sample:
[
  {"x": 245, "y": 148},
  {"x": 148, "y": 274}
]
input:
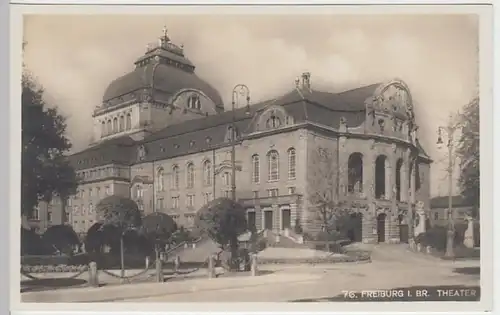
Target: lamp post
[
  {"x": 449, "y": 130},
  {"x": 239, "y": 89}
]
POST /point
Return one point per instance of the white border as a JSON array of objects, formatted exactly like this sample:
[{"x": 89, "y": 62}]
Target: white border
[{"x": 486, "y": 58}]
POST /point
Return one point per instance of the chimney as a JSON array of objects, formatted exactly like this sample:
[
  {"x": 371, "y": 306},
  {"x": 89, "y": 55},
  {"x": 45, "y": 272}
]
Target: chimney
[{"x": 306, "y": 80}]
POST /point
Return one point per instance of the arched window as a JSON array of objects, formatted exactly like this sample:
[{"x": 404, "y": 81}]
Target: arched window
[
  {"x": 255, "y": 168},
  {"x": 194, "y": 102},
  {"x": 207, "y": 173},
  {"x": 380, "y": 178},
  {"x": 190, "y": 176},
  {"x": 175, "y": 177},
  {"x": 273, "y": 122},
  {"x": 273, "y": 165},
  {"x": 122, "y": 123},
  {"x": 355, "y": 173},
  {"x": 399, "y": 165},
  {"x": 161, "y": 180},
  {"x": 115, "y": 124},
  {"x": 128, "y": 123},
  {"x": 110, "y": 127},
  {"x": 103, "y": 128},
  {"x": 291, "y": 163}
]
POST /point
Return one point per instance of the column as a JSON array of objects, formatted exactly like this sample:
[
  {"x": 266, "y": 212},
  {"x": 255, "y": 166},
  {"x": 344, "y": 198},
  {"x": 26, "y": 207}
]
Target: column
[
  {"x": 276, "y": 218},
  {"x": 342, "y": 167},
  {"x": 411, "y": 197},
  {"x": 369, "y": 225},
  {"x": 389, "y": 171},
  {"x": 368, "y": 176},
  {"x": 293, "y": 215},
  {"x": 404, "y": 177}
]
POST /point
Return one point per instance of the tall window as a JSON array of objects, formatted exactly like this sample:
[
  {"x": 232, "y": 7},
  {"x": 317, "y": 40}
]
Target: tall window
[
  {"x": 273, "y": 165},
  {"x": 91, "y": 208},
  {"x": 226, "y": 178},
  {"x": 380, "y": 177},
  {"x": 139, "y": 193},
  {"x": 35, "y": 214},
  {"x": 161, "y": 180},
  {"x": 122, "y": 123},
  {"x": 128, "y": 123},
  {"x": 103, "y": 129},
  {"x": 159, "y": 204},
  {"x": 355, "y": 173},
  {"x": 190, "y": 201},
  {"x": 207, "y": 173},
  {"x": 175, "y": 202},
  {"x": 110, "y": 127},
  {"x": 255, "y": 169},
  {"x": 190, "y": 176},
  {"x": 291, "y": 163},
  {"x": 115, "y": 124},
  {"x": 175, "y": 177}
]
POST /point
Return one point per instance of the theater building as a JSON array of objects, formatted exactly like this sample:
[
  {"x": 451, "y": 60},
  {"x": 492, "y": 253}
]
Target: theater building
[{"x": 162, "y": 137}]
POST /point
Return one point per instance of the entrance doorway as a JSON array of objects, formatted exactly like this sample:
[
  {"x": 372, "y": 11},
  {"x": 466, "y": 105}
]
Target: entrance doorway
[
  {"x": 381, "y": 227},
  {"x": 355, "y": 231},
  {"x": 286, "y": 219},
  {"x": 403, "y": 230},
  {"x": 251, "y": 221},
  {"x": 268, "y": 220}
]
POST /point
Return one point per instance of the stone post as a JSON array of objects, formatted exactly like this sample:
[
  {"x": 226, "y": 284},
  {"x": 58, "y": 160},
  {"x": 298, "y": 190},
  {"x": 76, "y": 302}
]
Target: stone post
[
  {"x": 469, "y": 233},
  {"x": 211, "y": 268},
  {"x": 254, "y": 268},
  {"x": 159, "y": 270},
  {"x": 93, "y": 279}
]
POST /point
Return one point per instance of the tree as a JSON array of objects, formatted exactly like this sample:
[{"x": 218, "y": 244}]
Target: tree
[
  {"x": 45, "y": 170},
  {"x": 159, "y": 229},
  {"x": 322, "y": 191},
  {"x": 62, "y": 238},
  {"x": 120, "y": 214},
  {"x": 468, "y": 152},
  {"x": 223, "y": 220}
]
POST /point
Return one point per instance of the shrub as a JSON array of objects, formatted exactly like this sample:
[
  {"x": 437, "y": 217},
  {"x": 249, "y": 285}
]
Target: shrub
[
  {"x": 436, "y": 237},
  {"x": 298, "y": 227}
]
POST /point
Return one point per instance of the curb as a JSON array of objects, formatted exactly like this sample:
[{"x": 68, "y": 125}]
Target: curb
[{"x": 137, "y": 291}]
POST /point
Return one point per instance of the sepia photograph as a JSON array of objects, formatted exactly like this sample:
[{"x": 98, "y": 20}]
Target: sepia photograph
[{"x": 252, "y": 157}]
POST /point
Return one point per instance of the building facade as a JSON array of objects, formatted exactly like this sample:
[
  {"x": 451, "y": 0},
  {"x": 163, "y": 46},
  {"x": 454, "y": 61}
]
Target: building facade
[
  {"x": 461, "y": 210},
  {"x": 162, "y": 137}
]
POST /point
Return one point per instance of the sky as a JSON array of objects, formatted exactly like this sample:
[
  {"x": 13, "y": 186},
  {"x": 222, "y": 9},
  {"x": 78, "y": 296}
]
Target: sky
[{"x": 75, "y": 58}]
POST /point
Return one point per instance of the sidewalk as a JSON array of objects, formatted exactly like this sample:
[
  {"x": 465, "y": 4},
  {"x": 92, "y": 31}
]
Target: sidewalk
[{"x": 144, "y": 290}]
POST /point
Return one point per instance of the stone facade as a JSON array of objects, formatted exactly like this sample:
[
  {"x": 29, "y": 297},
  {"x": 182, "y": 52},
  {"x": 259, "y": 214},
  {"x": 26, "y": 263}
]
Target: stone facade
[{"x": 176, "y": 155}]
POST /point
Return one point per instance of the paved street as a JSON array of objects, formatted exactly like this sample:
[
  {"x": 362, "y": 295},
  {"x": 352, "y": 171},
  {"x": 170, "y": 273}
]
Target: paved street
[{"x": 393, "y": 266}]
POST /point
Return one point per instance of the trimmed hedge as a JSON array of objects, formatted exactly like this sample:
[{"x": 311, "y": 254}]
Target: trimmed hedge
[
  {"x": 57, "y": 268},
  {"x": 436, "y": 237},
  {"x": 350, "y": 258}
]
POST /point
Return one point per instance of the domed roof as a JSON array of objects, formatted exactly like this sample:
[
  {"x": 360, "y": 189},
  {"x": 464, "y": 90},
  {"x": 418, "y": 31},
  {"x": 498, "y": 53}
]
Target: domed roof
[{"x": 160, "y": 73}]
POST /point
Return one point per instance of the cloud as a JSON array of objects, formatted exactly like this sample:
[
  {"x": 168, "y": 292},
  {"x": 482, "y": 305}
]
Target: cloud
[{"x": 76, "y": 57}]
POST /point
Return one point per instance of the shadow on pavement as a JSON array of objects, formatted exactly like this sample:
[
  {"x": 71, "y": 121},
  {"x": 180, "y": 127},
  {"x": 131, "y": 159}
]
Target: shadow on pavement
[
  {"x": 50, "y": 284},
  {"x": 468, "y": 270},
  {"x": 449, "y": 293}
]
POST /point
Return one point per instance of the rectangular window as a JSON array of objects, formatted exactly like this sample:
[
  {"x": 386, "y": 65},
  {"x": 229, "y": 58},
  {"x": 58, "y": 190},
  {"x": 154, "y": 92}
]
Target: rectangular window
[
  {"x": 90, "y": 192},
  {"x": 227, "y": 193},
  {"x": 108, "y": 190},
  {"x": 256, "y": 195},
  {"x": 175, "y": 202},
  {"x": 291, "y": 190},
  {"x": 159, "y": 204},
  {"x": 190, "y": 200},
  {"x": 35, "y": 215},
  {"x": 226, "y": 177},
  {"x": 49, "y": 216},
  {"x": 273, "y": 192},
  {"x": 66, "y": 216},
  {"x": 70, "y": 202},
  {"x": 207, "y": 197}
]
